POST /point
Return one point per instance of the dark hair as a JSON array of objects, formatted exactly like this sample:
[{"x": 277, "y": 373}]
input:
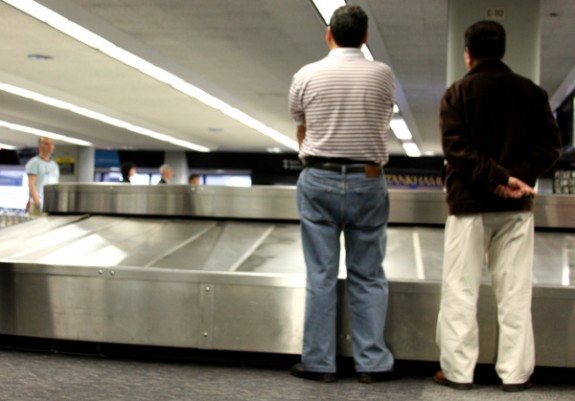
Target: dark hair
[
  {"x": 348, "y": 26},
  {"x": 485, "y": 39},
  {"x": 125, "y": 168}
]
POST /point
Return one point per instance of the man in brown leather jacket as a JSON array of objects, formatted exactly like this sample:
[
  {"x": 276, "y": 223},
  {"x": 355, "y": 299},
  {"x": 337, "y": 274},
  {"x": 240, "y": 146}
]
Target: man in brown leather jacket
[{"x": 498, "y": 137}]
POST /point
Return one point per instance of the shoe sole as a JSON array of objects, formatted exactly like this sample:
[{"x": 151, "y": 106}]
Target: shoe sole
[
  {"x": 314, "y": 376},
  {"x": 453, "y": 385},
  {"x": 513, "y": 388}
]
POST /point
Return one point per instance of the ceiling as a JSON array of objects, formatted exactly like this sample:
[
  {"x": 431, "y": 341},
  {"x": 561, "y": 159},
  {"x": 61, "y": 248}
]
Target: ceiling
[{"x": 243, "y": 52}]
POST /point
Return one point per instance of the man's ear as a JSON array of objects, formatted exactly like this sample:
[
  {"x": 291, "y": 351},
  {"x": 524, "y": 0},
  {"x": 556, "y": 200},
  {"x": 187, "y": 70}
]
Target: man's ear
[
  {"x": 328, "y": 35},
  {"x": 331, "y": 43},
  {"x": 468, "y": 58}
]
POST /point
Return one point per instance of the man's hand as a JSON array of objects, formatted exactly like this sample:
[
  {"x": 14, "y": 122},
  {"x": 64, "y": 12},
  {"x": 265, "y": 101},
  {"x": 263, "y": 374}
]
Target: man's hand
[
  {"x": 301, "y": 131},
  {"x": 514, "y": 189}
]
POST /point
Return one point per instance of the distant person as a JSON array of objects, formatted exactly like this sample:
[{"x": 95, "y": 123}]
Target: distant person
[
  {"x": 167, "y": 173},
  {"x": 128, "y": 171},
  {"x": 498, "y": 137},
  {"x": 342, "y": 105},
  {"x": 194, "y": 179},
  {"x": 41, "y": 171}
]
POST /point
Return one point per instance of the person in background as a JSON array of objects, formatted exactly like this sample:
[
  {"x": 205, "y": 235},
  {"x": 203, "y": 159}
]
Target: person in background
[
  {"x": 342, "y": 106},
  {"x": 128, "y": 170},
  {"x": 167, "y": 173},
  {"x": 498, "y": 137},
  {"x": 41, "y": 171},
  {"x": 194, "y": 179}
]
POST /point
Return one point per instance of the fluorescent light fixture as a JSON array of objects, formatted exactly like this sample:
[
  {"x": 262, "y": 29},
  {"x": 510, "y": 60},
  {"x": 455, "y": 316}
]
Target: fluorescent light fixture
[
  {"x": 15, "y": 90},
  {"x": 89, "y": 38},
  {"x": 8, "y": 147},
  {"x": 402, "y": 133},
  {"x": 39, "y": 132},
  {"x": 400, "y": 129},
  {"x": 367, "y": 53},
  {"x": 411, "y": 149},
  {"x": 327, "y": 7}
]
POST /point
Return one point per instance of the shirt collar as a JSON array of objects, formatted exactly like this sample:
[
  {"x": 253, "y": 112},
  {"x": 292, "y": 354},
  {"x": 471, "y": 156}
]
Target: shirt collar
[{"x": 346, "y": 52}]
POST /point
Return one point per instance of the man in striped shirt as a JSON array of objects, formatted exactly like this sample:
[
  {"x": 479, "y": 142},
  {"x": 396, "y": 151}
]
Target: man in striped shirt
[{"x": 342, "y": 105}]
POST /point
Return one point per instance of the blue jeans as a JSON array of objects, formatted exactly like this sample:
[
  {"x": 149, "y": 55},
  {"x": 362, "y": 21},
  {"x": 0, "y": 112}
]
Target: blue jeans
[{"x": 329, "y": 203}]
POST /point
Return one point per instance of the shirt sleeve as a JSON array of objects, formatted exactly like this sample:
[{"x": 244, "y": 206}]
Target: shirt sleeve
[
  {"x": 295, "y": 103},
  {"x": 32, "y": 167}
]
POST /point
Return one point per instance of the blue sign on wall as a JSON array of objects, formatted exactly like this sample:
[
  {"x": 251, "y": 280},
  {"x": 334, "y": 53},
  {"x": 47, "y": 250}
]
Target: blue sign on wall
[{"x": 107, "y": 158}]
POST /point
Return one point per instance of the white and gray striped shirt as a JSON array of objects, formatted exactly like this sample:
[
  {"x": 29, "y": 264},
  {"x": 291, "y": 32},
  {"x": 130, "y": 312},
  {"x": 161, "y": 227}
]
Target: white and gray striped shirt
[{"x": 346, "y": 103}]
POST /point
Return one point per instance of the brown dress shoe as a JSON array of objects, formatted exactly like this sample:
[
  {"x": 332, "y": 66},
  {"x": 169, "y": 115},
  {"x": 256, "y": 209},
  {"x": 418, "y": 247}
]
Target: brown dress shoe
[{"x": 444, "y": 381}]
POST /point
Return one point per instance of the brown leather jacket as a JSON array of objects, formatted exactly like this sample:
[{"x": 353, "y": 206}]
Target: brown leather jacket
[{"x": 495, "y": 124}]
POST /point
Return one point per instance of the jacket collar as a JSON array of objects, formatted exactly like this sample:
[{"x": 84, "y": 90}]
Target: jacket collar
[{"x": 488, "y": 65}]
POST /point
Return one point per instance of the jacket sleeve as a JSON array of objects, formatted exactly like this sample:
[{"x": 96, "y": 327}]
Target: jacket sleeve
[
  {"x": 459, "y": 150},
  {"x": 547, "y": 142}
]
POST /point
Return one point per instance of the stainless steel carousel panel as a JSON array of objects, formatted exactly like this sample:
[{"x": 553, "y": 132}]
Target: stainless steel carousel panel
[
  {"x": 98, "y": 304},
  {"x": 153, "y": 307},
  {"x": 172, "y": 200}
]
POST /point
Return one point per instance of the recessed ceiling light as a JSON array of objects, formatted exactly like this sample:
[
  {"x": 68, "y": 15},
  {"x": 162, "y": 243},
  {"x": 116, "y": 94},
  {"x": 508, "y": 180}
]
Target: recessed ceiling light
[{"x": 39, "y": 57}]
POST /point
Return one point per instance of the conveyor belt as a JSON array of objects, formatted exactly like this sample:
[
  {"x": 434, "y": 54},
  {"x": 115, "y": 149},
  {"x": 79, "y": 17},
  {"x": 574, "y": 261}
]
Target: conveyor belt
[{"x": 216, "y": 276}]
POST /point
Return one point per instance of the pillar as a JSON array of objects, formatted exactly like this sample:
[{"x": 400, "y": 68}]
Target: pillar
[
  {"x": 521, "y": 20},
  {"x": 86, "y": 164},
  {"x": 178, "y": 161}
]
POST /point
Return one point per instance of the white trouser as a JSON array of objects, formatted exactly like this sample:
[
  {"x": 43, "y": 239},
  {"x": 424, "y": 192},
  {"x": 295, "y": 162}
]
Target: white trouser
[{"x": 507, "y": 240}]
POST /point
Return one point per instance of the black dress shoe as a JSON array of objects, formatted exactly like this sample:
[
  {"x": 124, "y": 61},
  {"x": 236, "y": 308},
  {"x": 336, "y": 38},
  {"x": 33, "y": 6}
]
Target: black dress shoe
[
  {"x": 298, "y": 371},
  {"x": 517, "y": 387},
  {"x": 441, "y": 379},
  {"x": 373, "y": 377}
]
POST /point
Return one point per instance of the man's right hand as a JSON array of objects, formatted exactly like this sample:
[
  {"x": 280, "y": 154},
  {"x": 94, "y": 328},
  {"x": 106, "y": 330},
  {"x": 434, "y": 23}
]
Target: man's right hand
[{"x": 515, "y": 189}]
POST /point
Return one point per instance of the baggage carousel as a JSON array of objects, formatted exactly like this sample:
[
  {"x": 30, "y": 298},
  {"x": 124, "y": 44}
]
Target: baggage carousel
[{"x": 220, "y": 268}]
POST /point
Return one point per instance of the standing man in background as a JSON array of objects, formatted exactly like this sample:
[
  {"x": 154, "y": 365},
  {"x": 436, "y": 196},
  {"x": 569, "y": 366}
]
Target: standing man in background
[
  {"x": 167, "y": 173},
  {"x": 194, "y": 179},
  {"x": 41, "y": 171},
  {"x": 128, "y": 170},
  {"x": 342, "y": 105},
  {"x": 498, "y": 136}
]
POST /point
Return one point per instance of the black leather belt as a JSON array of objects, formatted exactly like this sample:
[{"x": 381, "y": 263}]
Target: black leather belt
[
  {"x": 342, "y": 165},
  {"x": 340, "y": 168}
]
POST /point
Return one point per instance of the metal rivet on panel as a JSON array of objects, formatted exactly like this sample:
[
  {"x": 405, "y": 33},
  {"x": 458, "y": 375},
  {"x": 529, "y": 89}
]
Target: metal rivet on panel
[
  {"x": 205, "y": 333},
  {"x": 100, "y": 271},
  {"x": 207, "y": 289},
  {"x": 112, "y": 273}
]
